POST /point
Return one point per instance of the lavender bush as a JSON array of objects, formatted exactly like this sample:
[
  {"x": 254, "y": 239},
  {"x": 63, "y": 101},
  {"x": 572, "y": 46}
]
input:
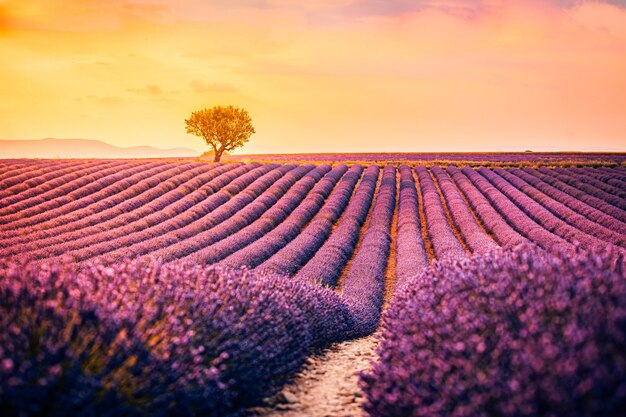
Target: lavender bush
[
  {"x": 144, "y": 339},
  {"x": 517, "y": 332}
]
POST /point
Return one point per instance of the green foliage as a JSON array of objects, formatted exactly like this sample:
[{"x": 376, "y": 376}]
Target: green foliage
[{"x": 224, "y": 128}]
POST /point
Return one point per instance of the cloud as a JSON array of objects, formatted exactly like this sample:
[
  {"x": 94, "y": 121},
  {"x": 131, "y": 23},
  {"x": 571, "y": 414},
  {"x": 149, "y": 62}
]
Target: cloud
[
  {"x": 574, "y": 3},
  {"x": 154, "y": 89},
  {"x": 458, "y": 8},
  {"x": 198, "y": 86},
  {"x": 467, "y": 8}
]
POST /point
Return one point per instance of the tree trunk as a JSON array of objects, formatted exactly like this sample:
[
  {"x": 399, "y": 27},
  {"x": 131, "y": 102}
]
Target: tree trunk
[{"x": 218, "y": 155}]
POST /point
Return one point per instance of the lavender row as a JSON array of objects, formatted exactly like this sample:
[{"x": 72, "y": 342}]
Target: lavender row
[
  {"x": 518, "y": 332},
  {"x": 135, "y": 202},
  {"x": 590, "y": 180},
  {"x": 608, "y": 178},
  {"x": 16, "y": 173},
  {"x": 220, "y": 215},
  {"x": 141, "y": 339},
  {"x": 293, "y": 255},
  {"x": 329, "y": 261},
  {"x": 57, "y": 202},
  {"x": 134, "y": 220},
  {"x": 445, "y": 243},
  {"x": 539, "y": 213},
  {"x": 159, "y": 223},
  {"x": 72, "y": 180},
  {"x": 564, "y": 213},
  {"x": 502, "y": 231},
  {"x": 613, "y": 177},
  {"x": 364, "y": 286},
  {"x": 56, "y": 194},
  {"x": 476, "y": 239},
  {"x": 212, "y": 253},
  {"x": 513, "y": 214},
  {"x": 257, "y": 252},
  {"x": 97, "y": 203},
  {"x": 225, "y": 224},
  {"x": 37, "y": 181},
  {"x": 616, "y": 172},
  {"x": 573, "y": 203},
  {"x": 593, "y": 201},
  {"x": 411, "y": 255},
  {"x": 11, "y": 168},
  {"x": 587, "y": 188}
]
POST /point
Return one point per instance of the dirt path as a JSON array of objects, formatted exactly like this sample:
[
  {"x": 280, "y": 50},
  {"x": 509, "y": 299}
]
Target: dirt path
[{"x": 327, "y": 386}]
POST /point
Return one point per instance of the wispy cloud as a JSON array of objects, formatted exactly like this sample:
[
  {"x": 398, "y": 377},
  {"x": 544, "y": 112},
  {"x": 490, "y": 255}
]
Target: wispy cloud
[{"x": 467, "y": 8}]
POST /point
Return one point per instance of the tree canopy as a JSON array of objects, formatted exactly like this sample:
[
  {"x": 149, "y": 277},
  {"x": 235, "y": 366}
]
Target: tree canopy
[{"x": 224, "y": 128}]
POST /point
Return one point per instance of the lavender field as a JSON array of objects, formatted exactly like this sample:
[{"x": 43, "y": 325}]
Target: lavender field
[{"x": 181, "y": 287}]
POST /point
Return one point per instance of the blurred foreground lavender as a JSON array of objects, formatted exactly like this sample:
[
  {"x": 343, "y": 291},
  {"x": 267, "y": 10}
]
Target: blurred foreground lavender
[
  {"x": 144, "y": 339},
  {"x": 517, "y": 332}
]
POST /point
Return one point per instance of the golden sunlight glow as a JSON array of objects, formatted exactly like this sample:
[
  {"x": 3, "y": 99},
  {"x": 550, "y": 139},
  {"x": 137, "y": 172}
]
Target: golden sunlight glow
[{"x": 319, "y": 76}]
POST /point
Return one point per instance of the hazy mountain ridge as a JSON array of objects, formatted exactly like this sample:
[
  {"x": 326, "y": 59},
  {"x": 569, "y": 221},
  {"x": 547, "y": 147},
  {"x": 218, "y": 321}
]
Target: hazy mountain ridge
[{"x": 84, "y": 148}]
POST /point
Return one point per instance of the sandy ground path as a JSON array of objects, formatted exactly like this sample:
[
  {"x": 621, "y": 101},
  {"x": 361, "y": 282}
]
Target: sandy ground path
[{"x": 327, "y": 386}]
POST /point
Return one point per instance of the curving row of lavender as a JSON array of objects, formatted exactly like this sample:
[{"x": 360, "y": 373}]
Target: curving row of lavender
[
  {"x": 515, "y": 332},
  {"x": 326, "y": 265},
  {"x": 364, "y": 284},
  {"x": 143, "y": 339},
  {"x": 69, "y": 231}
]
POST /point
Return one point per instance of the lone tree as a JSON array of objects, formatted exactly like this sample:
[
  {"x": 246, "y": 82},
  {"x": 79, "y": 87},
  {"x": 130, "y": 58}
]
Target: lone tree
[{"x": 224, "y": 128}]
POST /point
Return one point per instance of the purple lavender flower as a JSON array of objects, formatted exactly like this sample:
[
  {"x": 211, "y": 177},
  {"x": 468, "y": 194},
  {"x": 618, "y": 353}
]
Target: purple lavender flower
[{"x": 517, "y": 332}]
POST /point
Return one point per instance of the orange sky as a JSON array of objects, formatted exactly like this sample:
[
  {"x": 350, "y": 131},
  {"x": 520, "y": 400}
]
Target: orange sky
[{"x": 319, "y": 76}]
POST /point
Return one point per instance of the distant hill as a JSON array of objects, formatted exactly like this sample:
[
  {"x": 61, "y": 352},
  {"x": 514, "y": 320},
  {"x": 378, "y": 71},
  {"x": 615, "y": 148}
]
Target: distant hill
[{"x": 84, "y": 148}]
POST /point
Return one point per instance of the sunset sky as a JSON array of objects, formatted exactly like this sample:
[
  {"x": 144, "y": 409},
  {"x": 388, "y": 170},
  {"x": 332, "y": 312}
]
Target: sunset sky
[{"x": 319, "y": 76}]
